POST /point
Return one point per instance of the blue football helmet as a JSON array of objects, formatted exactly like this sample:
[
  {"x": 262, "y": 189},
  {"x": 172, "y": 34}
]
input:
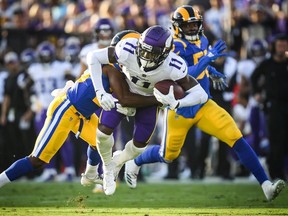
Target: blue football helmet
[
  {"x": 183, "y": 16},
  {"x": 103, "y": 31},
  {"x": 153, "y": 47},
  {"x": 46, "y": 52}
]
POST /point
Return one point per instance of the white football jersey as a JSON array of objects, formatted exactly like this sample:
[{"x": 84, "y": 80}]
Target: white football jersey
[
  {"x": 141, "y": 82},
  {"x": 48, "y": 77},
  {"x": 245, "y": 68},
  {"x": 84, "y": 51}
]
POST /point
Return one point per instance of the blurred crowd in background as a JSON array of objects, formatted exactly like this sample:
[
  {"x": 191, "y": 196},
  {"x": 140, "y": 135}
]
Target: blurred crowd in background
[{"x": 60, "y": 29}]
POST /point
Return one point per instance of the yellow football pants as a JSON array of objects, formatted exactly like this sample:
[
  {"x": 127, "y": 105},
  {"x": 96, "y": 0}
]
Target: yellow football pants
[
  {"x": 62, "y": 118},
  {"x": 211, "y": 119}
]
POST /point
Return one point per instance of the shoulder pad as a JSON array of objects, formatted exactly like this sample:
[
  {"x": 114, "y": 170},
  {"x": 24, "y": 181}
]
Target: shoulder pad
[
  {"x": 124, "y": 49},
  {"x": 179, "y": 46},
  {"x": 179, "y": 67}
]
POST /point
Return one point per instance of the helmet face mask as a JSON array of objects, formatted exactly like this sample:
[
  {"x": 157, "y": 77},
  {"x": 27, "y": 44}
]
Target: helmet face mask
[
  {"x": 103, "y": 31},
  {"x": 46, "y": 52},
  {"x": 153, "y": 47},
  {"x": 72, "y": 49},
  {"x": 187, "y": 23},
  {"x": 257, "y": 49}
]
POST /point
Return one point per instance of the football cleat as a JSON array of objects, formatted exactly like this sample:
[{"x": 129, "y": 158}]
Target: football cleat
[
  {"x": 98, "y": 188},
  {"x": 272, "y": 190},
  {"x": 131, "y": 173},
  {"x": 109, "y": 182},
  {"x": 118, "y": 165},
  {"x": 86, "y": 181}
]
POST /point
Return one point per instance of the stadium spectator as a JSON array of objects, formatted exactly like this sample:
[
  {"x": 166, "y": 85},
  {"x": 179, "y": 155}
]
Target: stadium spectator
[
  {"x": 269, "y": 84},
  {"x": 16, "y": 114},
  {"x": 3, "y": 140}
]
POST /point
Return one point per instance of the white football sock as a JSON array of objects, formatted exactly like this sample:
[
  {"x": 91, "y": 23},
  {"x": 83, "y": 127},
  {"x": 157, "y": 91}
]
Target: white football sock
[
  {"x": 129, "y": 152},
  {"x": 104, "y": 144},
  {"x": 4, "y": 179},
  {"x": 90, "y": 170}
]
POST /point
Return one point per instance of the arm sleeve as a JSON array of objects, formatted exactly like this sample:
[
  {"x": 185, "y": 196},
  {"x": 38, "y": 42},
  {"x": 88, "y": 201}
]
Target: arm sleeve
[
  {"x": 195, "y": 95},
  {"x": 198, "y": 68},
  {"x": 95, "y": 59},
  {"x": 211, "y": 69}
]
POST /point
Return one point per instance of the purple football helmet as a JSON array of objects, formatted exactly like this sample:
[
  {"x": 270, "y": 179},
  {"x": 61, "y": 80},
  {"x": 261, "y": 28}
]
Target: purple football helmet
[
  {"x": 72, "y": 49},
  {"x": 257, "y": 49},
  {"x": 104, "y": 31},
  {"x": 28, "y": 56},
  {"x": 46, "y": 52},
  {"x": 153, "y": 47}
]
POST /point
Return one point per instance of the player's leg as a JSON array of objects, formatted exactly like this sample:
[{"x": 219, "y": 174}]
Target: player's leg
[
  {"x": 109, "y": 120},
  {"x": 88, "y": 135},
  {"x": 67, "y": 159},
  {"x": 49, "y": 170},
  {"x": 175, "y": 130},
  {"x": 56, "y": 129},
  {"x": 145, "y": 124},
  {"x": 217, "y": 122}
]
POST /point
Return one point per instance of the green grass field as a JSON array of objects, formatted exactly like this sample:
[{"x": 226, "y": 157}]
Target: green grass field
[{"x": 150, "y": 199}]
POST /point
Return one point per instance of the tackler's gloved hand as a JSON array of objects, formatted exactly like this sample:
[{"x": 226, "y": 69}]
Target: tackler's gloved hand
[
  {"x": 217, "y": 50},
  {"x": 128, "y": 111},
  {"x": 106, "y": 100},
  {"x": 218, "y": 80}
]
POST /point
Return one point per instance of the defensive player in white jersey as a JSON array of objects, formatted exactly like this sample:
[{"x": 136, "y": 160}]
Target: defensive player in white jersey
[
  {"x": 102, "y": 35},
  {"x": 144, "y": 61},
  {"x": 49, "y": 74}
]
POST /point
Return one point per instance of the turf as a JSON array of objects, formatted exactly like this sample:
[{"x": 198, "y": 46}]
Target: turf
[{"x": 153, "y": 199}]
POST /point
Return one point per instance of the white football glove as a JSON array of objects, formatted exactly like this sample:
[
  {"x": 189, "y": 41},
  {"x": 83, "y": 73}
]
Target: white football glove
[
  {"x": 62, "y": 91},
  {"x": 106, "y": 100},
  {"x": 168, "y": 99},
  {"x": 128, "y": 111}
]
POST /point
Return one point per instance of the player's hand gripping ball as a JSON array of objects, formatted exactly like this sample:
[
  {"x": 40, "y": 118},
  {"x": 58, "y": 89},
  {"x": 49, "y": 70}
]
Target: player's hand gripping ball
[
  {"x": 168, "y": 92},
  {"x": 164, "y": 86}
]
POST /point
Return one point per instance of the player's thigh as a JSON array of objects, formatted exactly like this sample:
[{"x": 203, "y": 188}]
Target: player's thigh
[
  {"x": 58, "y": 124},
  {"x": 88, "y": 132},
  {"x": 176, "y": 128},
  {"x": 145, "y": 124},
  {"x": 217, "y": 122}
]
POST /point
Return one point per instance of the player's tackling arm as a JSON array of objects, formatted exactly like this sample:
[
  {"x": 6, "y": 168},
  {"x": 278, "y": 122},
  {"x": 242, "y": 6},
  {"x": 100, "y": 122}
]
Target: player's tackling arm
[
  {"x": 95, "y": 60},
  {"x": 121, "y": 90}
]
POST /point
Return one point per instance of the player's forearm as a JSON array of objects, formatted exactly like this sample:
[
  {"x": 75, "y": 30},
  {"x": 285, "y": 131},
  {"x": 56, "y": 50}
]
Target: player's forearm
[
  {"x": 95, "y": 59},
  {"x": 135, "y": 100},
  {"x": 196, "y": 95},
  {"x": 198, "y": 68}
]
